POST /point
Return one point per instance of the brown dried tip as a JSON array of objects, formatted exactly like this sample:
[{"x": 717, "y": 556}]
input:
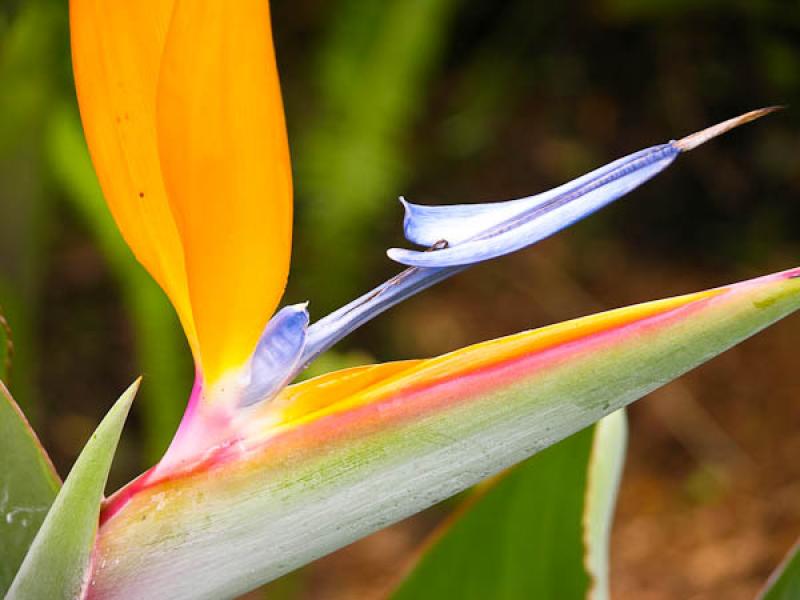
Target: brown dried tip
[{"x": 701, "y": 137}]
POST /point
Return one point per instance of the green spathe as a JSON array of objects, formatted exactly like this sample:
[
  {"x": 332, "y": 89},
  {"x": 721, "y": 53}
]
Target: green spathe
[{"x": 257, "y": 517}]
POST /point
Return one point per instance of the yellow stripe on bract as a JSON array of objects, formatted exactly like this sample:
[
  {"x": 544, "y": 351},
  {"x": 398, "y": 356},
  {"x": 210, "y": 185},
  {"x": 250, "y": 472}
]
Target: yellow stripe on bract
[
  {"x": 463, "y": 361},
  {"x": 316, "y": 394},
  {"x": 116, "y": 52},
  {"x": 225, "y": 161}
]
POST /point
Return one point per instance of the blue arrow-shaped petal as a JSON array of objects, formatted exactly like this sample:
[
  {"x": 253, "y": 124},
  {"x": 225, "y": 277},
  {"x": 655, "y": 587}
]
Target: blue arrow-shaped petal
[{"x": 465, "y": 234}]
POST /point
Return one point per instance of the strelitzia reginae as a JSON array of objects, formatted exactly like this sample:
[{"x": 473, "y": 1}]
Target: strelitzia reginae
[{"x": 181, "y": 106}]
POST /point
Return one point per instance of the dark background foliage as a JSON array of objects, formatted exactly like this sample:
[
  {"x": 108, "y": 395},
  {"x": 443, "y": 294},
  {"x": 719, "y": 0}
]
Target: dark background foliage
[{"x": 460, "y": 101}]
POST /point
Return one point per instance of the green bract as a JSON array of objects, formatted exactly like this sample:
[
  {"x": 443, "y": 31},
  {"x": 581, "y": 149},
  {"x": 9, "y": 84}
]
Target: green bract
[{"x": 58, "y": 564}]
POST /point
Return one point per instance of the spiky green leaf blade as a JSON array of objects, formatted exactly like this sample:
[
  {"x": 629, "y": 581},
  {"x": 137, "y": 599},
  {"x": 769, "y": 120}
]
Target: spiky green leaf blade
[
  {"x": 28, "y": 486},
  {"x": 290, "y": 491},
  {"x": 528, "y": 533},
  {"x": 57, "y": 564},
  {"x": 784, "y": 583}
]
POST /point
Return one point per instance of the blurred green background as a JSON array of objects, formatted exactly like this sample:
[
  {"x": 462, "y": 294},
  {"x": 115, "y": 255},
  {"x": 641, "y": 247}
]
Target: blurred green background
[{"x": 450, "y": 101}]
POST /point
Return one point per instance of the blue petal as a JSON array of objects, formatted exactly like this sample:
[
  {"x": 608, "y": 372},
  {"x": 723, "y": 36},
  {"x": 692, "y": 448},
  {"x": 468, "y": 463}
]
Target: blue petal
[
  {"x": 488, "y": 230},
  {"x": 327, "y": 331},
  {"x": 278, "y": 354},
  {"x": 479, "y": 232},
  {"x": 427, "y": 225}
]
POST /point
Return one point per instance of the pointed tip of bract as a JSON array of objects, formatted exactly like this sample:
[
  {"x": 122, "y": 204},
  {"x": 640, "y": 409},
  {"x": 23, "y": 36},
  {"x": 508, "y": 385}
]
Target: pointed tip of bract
[
  {"x": 130, "y": 393},
  {"x": 692, "y": 141},
  {"x": 115, "y": 418},
  {"x": 124, "y": 402}
]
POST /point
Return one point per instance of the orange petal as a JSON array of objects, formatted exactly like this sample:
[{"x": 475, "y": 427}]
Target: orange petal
[
  {"x": 225, "y": 162},
  {"x": 116, "y": 52}
]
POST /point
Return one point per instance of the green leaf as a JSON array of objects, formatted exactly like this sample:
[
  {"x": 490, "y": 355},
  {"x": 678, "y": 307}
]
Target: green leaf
[
  {"x": 31, "y": 61},
  {"x": 56, "y": 566},
  {"x": 531, "y": 533},
  {"x": 28, "y": 485},
  {"x": 784, "y": 583},
  {"x": 605, "y": 474}
]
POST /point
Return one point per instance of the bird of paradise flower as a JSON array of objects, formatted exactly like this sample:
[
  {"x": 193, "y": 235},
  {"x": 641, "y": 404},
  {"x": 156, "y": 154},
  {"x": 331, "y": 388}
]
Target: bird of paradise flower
[{"x": 182, "y": 111}]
